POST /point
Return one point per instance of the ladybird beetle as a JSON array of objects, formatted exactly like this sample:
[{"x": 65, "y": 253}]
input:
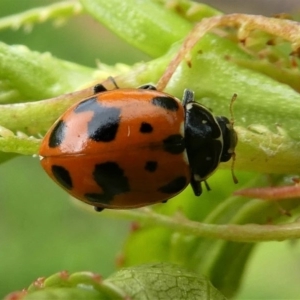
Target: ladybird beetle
[{"x": 127, "y": 148}]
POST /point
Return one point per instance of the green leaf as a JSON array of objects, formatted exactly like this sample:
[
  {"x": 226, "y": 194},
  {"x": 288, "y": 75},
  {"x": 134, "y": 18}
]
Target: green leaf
[
  {"x": 190, "y": 10},
  {"x": 143, "y": 24},
  {"x": 28, "y": 75},
  {"x": 64, "y": 294},
  {"x": 163, "y": 281},
  {"x": 151, "y": 281},
  {"x": 19, "y": 144},
  {"x": 56, "y": 11}
]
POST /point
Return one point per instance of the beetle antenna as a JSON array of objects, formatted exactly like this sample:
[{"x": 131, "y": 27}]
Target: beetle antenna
[
  {"x": 234, "y": 178},
  {"x": 113, "y": 82},
  {"x": 234, "y": 96}
]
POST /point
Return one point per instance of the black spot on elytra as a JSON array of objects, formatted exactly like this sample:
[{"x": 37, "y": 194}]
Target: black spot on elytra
[
  {"x": 146, "y": 128},
  {"x": 151, "y": 166},
  {"x": 166, "y": 102},
  {"x": 174, "y": 186},
  {"x": 99, "y": 88},
  {"x": 58, "y": 134},
  {"x": 62, "y": 175},
  {"x": 104, "y": 124},
  {"x": 110, "y": 177},
  {"x": 174, "y": 144}
]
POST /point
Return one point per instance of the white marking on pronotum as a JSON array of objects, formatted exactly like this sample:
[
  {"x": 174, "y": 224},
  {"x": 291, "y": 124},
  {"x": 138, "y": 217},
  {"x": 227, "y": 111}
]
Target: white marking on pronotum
[
  {"x": 181, "y": 129},
  {"x": 185, "y": 157},
  {"x": 189, "y": 106},
  {"x": 184, "y": 154}
]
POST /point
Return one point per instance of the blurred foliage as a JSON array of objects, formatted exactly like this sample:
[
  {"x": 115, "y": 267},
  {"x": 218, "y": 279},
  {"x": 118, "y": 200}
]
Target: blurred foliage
[{"x": 44, "y": 233}]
